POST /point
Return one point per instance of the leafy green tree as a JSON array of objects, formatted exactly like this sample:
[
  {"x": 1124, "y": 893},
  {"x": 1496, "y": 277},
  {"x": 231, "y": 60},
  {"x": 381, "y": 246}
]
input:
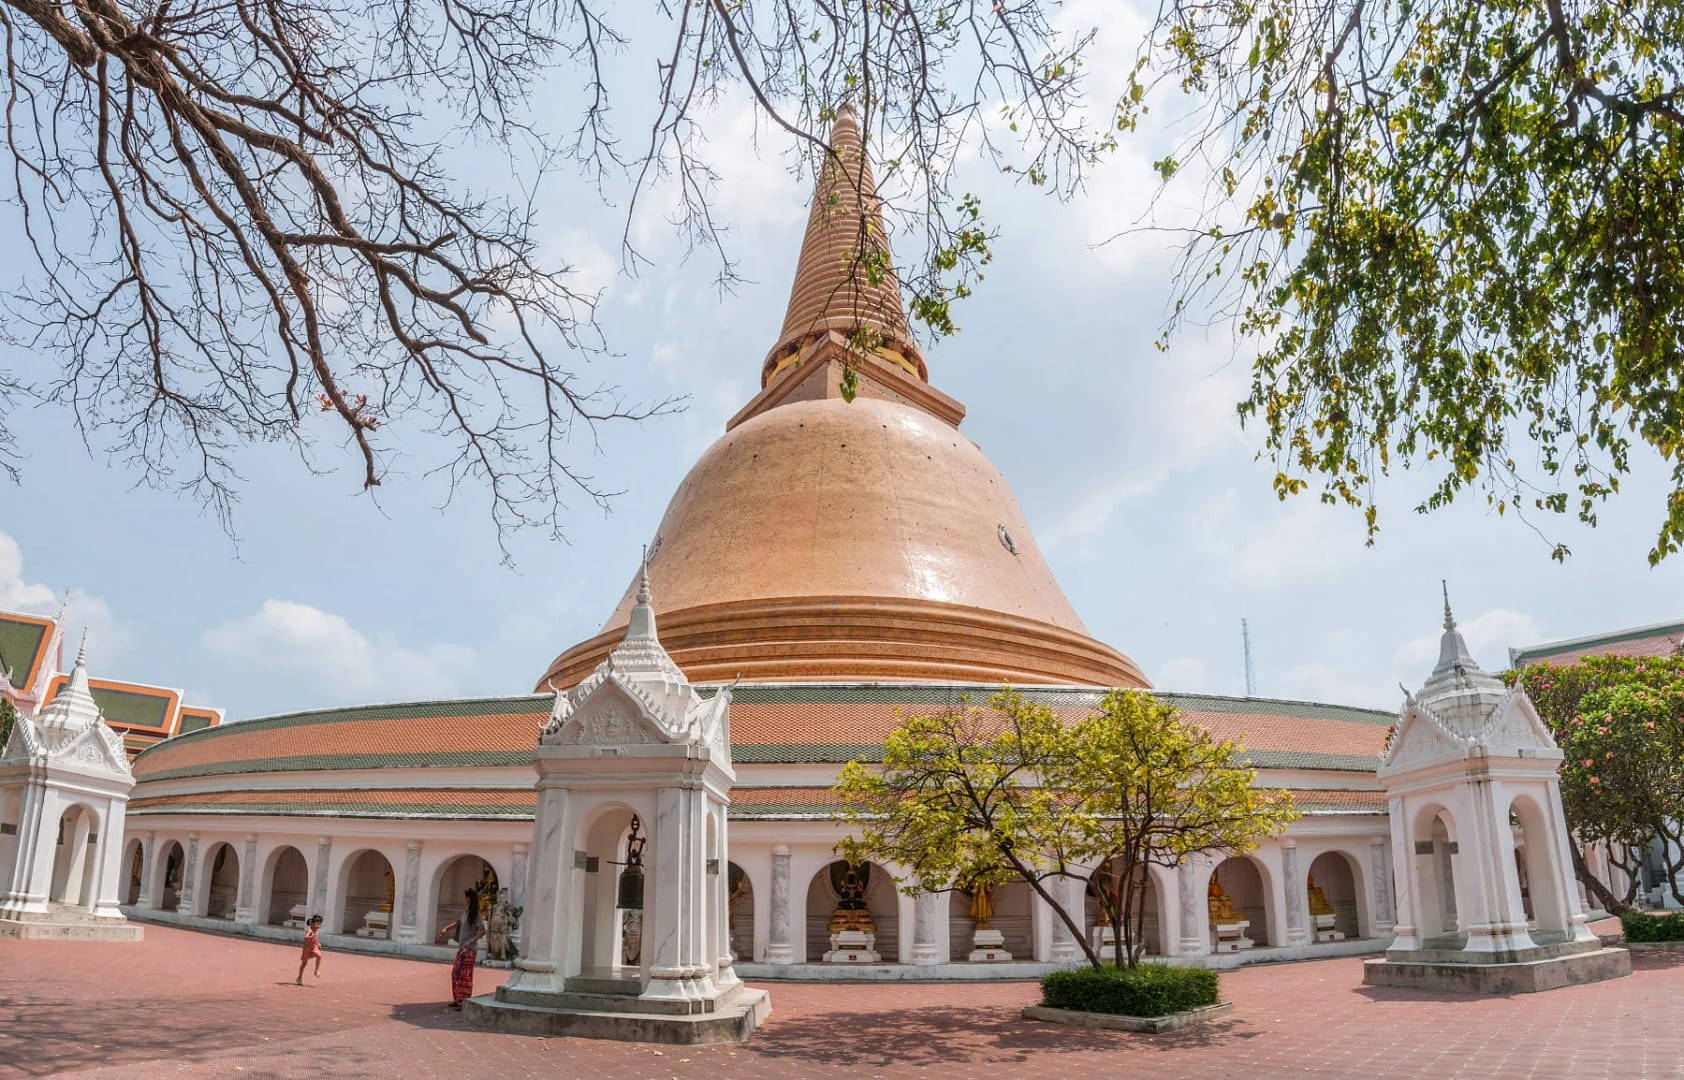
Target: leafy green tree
[
  {"x": 8, "y": 717},
  {"x": 1157, "y": 791},
  {"x": 1455, "y": 229},
  {"x": 1620, "y": 723},
  {"x": 1019, "y": 792}
]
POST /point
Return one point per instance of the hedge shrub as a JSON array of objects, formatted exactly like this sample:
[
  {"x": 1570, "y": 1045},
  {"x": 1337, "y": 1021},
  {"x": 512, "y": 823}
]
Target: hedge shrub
[
  {"x": 1148, "y": 990},
  {"x": 1640, "y": 926}
]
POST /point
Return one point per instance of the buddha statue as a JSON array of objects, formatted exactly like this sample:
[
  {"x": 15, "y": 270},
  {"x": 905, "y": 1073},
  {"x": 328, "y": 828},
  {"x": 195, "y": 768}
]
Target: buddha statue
[
  {"x": 1318, "y": 899},
  {"x": 1221, "y": 907},
  {"x": 391, "y": 891},
  {"x": 852, "y": 913},
  {"x": 982, "y": 904}
]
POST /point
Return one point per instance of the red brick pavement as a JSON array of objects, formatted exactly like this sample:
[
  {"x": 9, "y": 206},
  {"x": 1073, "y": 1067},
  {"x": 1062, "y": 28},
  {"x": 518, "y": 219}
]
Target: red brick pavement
[{"x": 189, "y": 1004}]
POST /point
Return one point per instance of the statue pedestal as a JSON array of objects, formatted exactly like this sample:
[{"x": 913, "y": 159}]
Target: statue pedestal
[
  {"x": 295, "y": 918},
  {"x": 1230, "y": 936},
  {"x": 989, "y": 946},
  {"x": 376, "y": 924},
  {"x": 1324, "y": 928},
  {"x": 853, "y": 947}
]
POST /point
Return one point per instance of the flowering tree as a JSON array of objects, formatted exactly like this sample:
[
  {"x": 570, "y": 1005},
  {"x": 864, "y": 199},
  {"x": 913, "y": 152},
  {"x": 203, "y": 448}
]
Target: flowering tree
[
  {"x": 1620, "y": 722},
  {"x": 984, "y": 796}
]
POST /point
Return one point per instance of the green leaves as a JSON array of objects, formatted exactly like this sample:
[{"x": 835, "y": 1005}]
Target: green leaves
[
  {"x": 1017, "y": 791},
  {"x": 1462, "y": 242}
]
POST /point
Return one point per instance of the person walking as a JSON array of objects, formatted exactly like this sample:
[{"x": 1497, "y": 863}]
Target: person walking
[
  {"x": 468, "y": 930},
  {"x": 312, "y": 948}
]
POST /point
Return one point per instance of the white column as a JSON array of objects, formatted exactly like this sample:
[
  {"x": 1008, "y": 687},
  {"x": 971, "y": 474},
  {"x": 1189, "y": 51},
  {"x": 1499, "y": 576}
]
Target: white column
[
  {"x": 107, "y": 855},
  {"x": 778, "y": 949},
  {"x": 725, "y": 974},
  {"x": 148, "y": 852},
  {"x": 1559, "y": 838},
  {"x": 1297, "y": 926},
  {"x": 924, "y": 950},
  {"x": 1193, "y": 940},
  {"x": 1405, "y": 923},
  {"x": 324, "y": 851},
  {"x": 190, "y": 878},
  {"x": 37, "y": 838},
  {"x": 549, "y": 876},
  {"x": 245, "y": 907},
  {"x": 1380, "y": 888},
  {"x": 408, "y": 928},
  {"x": 664, "y": 914},
  {"x": 1068, "y": 893}
]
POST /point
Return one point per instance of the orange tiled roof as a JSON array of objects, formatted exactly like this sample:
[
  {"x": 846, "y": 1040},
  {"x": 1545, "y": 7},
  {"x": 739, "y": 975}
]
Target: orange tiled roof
[
  {"x": 1660, "y": 640},
  {"x": 814, "y": 723}
]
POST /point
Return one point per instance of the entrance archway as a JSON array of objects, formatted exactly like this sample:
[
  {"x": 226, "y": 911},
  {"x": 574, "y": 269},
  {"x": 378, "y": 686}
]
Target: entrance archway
[
  {"x": 221, "y": 875},
  {"x": 451, "y": 885},
  {"x": 1547, "y": 906},
  {"x": 1096, "y": 920},
  {"x": 611, "y": 937},
  {"x": 134, "y": 863},
  {"x": 166, "y": 886},
  {"x": 740, "y": 900},
  {"x": 1332, "y": 873},
  {"x": 881, "y": 900},
  {"x": 1242, "y": 879},
  {"x": 287, "y": 887},
  {"x": 366, "y": 891},
  {"x": 75, "y": 858},
  {"x": 1435, "y": 877}
]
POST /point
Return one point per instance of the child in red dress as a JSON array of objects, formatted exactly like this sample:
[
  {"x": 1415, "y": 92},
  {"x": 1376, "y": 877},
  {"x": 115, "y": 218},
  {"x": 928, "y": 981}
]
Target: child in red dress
[{"x": 312, "y": 948}]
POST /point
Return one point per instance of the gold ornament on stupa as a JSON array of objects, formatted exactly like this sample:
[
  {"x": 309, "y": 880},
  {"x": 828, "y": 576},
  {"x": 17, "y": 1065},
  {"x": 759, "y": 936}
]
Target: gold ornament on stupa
[
  {"x": 1318, "y": 900},
  {"x": 851, "y": 910},
  {"x": 1221, "y": 907}
]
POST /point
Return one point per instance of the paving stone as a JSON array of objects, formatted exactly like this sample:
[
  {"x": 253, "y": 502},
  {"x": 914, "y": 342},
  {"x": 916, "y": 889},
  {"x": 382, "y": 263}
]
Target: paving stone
[{"x": 187, "y": 1004}]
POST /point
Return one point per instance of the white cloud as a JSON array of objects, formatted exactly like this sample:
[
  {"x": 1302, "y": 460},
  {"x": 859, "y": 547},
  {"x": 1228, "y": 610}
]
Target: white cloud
[
  {"x": 107, "y": 637},
  {"x": 1152, "y": 443},
  {"x": 1190, "y": 673},
  {"x": 1275, "y": 543},
  {"x": 284, "y": 637},
  {"x": 1321, "y": 681}
]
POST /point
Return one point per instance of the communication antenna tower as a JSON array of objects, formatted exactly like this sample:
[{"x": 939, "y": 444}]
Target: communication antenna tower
[{"x": 1250, "y": 670}]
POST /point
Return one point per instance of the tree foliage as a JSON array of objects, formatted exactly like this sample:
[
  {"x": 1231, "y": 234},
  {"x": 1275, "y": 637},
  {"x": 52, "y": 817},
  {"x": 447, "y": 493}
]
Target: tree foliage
[
  {"x": 8, "y": 718},
  {"x": 1017, "y": 791},
  {"x": 249, "y": 223},
  {"x": 1454, "y": 230},
  {"x": 1620, "y": 724}
]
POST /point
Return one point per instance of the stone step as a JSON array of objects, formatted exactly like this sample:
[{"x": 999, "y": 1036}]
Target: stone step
[
  {"x": 575, "y": 1001},
  {"x": 731, "y": 1024},
  {"x": 605, "y": 984},
  {"x": 48, "y": 930}
]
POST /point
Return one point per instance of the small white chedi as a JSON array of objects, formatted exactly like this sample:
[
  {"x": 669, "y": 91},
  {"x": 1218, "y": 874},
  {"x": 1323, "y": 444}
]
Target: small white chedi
[
  {"x": 64, "y": 784},
  {"x": 626, "y": 934},
  {"x": 1470, "y": 775}
]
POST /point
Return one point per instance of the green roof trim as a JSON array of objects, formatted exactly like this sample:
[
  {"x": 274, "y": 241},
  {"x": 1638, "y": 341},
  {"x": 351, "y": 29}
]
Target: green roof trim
[
  {"x": 1521, "y": 657},
  {"x": 19, "y": 642},
  {"x": 194, "y": 723},
  {"x": 309, "y": 762}
]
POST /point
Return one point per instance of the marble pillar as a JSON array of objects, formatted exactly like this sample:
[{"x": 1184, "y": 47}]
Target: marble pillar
[
  {"x": 1297, "y": 926},
  {"x": 148, "y": 849},
  {"x": 409, "y": 928},
  {"x": 1192, "y": 941},
  {"x": 246, "y": 904},
  {"x": 190, "y": 878},
  {"x": 778, "y": 947},
  {"x": 924, "y": 950},
  {"x": 1062, "y": 946},
  {"x": 517, "y": 887},
  {"x": 1380, "y": 879},
  {"x": 324, "y": 851}
]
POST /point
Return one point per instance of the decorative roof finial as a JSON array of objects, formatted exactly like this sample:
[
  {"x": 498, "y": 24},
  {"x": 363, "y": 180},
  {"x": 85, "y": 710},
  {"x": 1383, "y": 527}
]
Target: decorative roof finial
[
  {"x": 82, "y": 650},
  {"x": 1449, "y": 619},
  {"x": 642, "y": 624}
]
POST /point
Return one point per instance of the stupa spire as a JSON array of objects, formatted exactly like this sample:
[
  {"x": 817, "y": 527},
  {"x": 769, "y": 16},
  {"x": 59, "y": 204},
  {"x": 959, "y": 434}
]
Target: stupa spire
[
  {"x": 845, "y": 280},
  {"x": 642, "y": 624}
]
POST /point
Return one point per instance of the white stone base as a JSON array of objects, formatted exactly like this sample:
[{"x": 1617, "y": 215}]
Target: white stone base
[
  {"x": 853, "y": 947},
  {"x": 1324, "y": 929},
  {"x": 1230, "y": 937},
  {"x": 988, "y": 947}
]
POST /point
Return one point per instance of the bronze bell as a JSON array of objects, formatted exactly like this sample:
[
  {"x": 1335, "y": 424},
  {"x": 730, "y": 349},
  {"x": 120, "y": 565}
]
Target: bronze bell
[
  {"x": 631, "y": 878},
  {"x": 631, "y": 889}
]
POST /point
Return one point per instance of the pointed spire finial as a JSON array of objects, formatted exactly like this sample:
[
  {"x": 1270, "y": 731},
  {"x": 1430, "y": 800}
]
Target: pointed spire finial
[
  {"x": 643, "y": 581},
  {"x": 642, "y": 624},
  {"x": 82, "y": 650},
  {"x": 844, "y": 279},
  {"x": 1449, "y": 619}
]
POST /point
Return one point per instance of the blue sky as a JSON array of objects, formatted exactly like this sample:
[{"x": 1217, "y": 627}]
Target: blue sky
[{"x": 1129, "y": 463}]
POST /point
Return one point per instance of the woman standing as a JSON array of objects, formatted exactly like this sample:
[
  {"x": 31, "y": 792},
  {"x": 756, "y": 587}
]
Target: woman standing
[{"x": 468, "y": 930}]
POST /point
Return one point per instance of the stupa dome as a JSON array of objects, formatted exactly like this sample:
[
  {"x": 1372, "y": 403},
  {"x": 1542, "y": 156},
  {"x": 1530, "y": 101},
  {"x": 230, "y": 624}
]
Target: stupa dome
[{"x": 864, "y": 540}]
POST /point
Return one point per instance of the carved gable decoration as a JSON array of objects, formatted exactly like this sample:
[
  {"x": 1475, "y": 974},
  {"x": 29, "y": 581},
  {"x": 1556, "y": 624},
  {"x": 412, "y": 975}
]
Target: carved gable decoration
[
  {"x": 604, "y": 712},
  {"x": 1516, "y": 727},
  {"x": 1420, "y": 740}
]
